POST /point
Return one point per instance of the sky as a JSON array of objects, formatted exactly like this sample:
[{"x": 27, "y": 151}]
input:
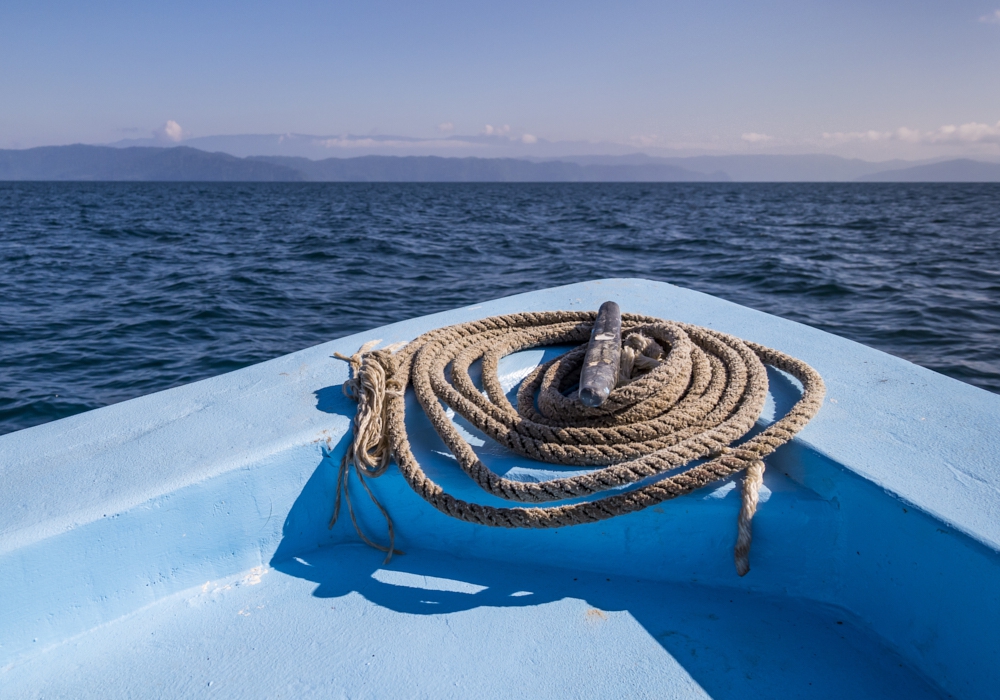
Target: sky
[{"x": 875, "y": 79}]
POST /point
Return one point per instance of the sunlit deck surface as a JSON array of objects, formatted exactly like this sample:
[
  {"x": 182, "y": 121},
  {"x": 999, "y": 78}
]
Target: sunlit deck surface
[
  {"x": 336, "y": 623},
  {"x": 176, "y": 546}
]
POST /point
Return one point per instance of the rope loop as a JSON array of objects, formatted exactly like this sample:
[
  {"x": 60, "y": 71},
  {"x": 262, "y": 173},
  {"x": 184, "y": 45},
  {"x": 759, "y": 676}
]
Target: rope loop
[{"x": 686, "y": 397}]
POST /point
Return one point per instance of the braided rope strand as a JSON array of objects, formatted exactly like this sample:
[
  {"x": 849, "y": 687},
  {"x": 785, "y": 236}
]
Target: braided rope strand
[{"x": 686, "y": 395}]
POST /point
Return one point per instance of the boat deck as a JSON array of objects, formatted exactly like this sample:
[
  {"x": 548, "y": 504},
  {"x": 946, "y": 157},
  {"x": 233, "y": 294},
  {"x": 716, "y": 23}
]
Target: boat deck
[
  {"x": 176, "y": 545},
  {"x": 337, "y": 623}
]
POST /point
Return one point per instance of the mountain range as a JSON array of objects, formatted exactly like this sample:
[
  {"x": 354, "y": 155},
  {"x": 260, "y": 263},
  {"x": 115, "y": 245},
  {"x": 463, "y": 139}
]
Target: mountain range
[
  {"x": 960, "y": 170},
  {"x": 183, "y": 163},
  {"x": 81, "y": 162}
]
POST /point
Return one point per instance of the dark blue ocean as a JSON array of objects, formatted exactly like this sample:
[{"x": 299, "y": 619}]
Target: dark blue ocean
[{"x": 113, "y": 290}]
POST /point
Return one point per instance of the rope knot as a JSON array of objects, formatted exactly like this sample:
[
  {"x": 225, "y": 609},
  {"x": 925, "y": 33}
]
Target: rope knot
[{"x": 372, "y": 380}]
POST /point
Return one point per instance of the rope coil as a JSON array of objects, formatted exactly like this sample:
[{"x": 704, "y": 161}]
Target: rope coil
[{"x": 686, "y": 394}]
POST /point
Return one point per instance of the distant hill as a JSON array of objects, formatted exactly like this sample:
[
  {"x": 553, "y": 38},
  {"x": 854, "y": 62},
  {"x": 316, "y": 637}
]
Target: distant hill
[
  {"x": 80, "y": 162},
  {"x": 759, "y": 168},
  {"x": 180, "y": 163},
  {"x": 320, "y": 147},
  {"x": 437, "y": 169},
  {"x": 787, "y": 168},
  {"x": 961, "y": 170},
  {"x": 739, "y": 168}
]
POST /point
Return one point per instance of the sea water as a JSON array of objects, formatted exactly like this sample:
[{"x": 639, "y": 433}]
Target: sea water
[{"x": 113, "y": 290}]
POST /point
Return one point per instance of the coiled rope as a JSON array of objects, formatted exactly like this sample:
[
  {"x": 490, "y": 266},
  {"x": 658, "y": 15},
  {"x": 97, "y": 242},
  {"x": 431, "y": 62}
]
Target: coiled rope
[{"x": 686, "y": 394}]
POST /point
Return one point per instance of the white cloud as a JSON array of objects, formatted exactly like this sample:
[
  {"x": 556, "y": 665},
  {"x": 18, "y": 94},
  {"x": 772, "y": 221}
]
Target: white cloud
[
  {"x": 350, "y": 142},
  {"x": 908, "y": 135},
  {"x": 446, "y": 127},
  {"x": 171, "y": 131},
  {"x": 756, "y": 138},
  {"x": 851, "y": 136},
  {"x": 991, "y": 19},
  {"x": 692, "y": 144},
  {"x": 505, "y": 132},
  {"x": 646, "y": 141},
  {"x": 973, "y": 132}
]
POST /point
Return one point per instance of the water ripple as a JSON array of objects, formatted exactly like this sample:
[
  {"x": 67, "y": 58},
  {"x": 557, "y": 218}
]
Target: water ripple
[{"x": 114, "y": 290}]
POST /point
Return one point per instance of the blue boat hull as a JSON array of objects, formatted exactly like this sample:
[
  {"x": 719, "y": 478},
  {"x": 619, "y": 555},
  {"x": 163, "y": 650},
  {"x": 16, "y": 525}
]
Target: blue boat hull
[{"x": 177, "y": 545}]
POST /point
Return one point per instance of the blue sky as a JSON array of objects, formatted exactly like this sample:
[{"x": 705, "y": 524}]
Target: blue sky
[{"x": 869, "y": 79}]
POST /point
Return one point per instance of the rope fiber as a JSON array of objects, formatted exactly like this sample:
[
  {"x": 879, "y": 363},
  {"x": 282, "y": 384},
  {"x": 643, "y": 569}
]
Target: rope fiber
[{"x": 685, "y": 396}]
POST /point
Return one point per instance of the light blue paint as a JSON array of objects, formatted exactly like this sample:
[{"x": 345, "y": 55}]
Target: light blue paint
[{"x": 882, "y": 515}]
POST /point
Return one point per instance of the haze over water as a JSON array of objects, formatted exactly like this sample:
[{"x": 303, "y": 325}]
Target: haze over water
[{"x": 114, "y": 290}]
